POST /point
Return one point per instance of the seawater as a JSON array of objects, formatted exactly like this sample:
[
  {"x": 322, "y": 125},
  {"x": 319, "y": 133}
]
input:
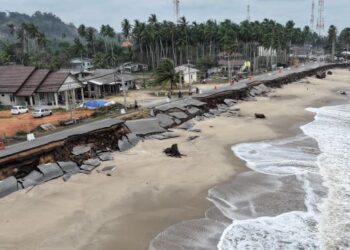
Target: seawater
[{"x": 295, "y": 196}]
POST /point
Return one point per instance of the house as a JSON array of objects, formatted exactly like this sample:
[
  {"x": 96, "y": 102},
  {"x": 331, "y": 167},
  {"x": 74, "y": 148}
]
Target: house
[
  {"x": 106, "y": 82},
  {"x": 301, "y": 52},
  {"x": 29, "y": 86},
  {"x": 81, "y": 65},
  {"x": 130, "y": 67},
  {"x": 234, "y": 61},
  {"x": 188, "y": 74}
]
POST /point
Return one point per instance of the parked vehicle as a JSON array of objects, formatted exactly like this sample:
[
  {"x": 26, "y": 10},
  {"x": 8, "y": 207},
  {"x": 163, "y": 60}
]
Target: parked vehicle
[
  {"x": 37, "y": 113},
  {"x": 17, "y": 110}
]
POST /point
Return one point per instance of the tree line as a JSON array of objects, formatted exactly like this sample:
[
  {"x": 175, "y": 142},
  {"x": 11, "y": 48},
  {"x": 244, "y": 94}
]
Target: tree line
[{"x": 155, "y": 40}]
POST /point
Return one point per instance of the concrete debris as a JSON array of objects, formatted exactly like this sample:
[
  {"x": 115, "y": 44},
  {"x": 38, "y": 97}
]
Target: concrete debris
[
  {"x": 179, "y": 115},
  {"x": 48, "y": 127},
  {"x": 124, "y": 144},
  {"x": 80, "y": 150},
  {"x": 164, "y": 136},
  {"x": 260, "y": 116},
  {"x": 145, "y": 127},
  {"x": 133, "y": 138},
  {"x": 342, "y": 92},
  {"x": 199, "y": 118},
  {"x": 195, "y": 130},
  {"x": 186, "y": 125},
  {"x": 208, "y": 115},
  {"x": 165, "y": 121},
  {"x": 180, "y": 104},
  {"x": 93, "y": 162},
  {"x": 214, "y": 112},
  {"x": 192, "y": 138},
  {"x": 50, "y": 171},
  {"x": 69, "y": 167},
  {"x": 86, "y": 169},
  {"x": 8, "y": 186},
  {"x": 33, "y": 178},
  {"x": 230, "y": 102},
  {"x": 66, "y": 177},
  {"x": 106, "y": 156},
  {"x": 321, "y": 75},
  {"x": 177, "y": 121},
  {"x": 107, "y": 170},
  {"x": 193, "y": 110},
  {"x": 329, "y": 73}
]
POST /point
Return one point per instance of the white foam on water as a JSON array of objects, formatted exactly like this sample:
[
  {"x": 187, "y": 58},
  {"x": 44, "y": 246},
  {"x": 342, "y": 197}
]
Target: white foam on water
[
  {"x": 326, "y": 223},
  {"x": 331, "y": 129},
  {"x": 289, "y": 231}
]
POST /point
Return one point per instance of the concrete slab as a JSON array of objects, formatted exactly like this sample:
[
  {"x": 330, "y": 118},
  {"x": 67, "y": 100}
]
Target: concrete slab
[
  {"x": 179, "y": 115},
  {"x": 8, "y": 186},
  {"x": 165, "y": 121},
  {"x": 68, "y": 167},
  {"x": 50, "y": 171},
  {"x": 145, "y": 127}
]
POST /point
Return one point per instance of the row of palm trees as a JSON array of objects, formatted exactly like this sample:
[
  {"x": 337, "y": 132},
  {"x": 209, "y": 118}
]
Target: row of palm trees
[{"x": 154, "y": 40}]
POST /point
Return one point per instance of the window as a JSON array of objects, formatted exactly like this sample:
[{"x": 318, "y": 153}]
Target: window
[{"x": 12, "y": 98}]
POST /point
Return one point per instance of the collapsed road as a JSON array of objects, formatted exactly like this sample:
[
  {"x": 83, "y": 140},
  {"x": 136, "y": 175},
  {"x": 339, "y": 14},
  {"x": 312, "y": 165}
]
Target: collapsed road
[{"x": 30, "y": 163}]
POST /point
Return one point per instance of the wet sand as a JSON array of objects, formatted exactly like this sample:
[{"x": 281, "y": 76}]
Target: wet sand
[{"x": 150, "y": 191}]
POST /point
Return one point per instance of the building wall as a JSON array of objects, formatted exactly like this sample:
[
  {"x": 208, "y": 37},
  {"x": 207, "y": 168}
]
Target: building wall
[
  {"x": 7, "y": 99},
  {"x": 192, "y": 76}
]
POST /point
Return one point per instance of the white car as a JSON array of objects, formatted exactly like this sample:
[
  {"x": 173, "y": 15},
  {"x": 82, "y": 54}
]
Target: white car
[
  {"x": 17, "y": 110},
  {"x": 41, "y": 113}
]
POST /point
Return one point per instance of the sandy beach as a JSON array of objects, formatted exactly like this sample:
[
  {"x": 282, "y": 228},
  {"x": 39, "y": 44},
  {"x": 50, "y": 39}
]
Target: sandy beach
[{"x": 150, "y": 191}]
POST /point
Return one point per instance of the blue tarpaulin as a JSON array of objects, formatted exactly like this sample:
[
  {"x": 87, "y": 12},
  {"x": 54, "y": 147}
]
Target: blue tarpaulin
[{"x": 95, "y": 104}]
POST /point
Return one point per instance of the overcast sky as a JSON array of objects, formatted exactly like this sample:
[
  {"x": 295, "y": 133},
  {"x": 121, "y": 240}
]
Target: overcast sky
[{"x": 97, "y": 12}]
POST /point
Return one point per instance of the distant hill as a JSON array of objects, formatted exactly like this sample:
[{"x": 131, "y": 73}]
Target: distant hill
[{"x": 47, "y": 23}]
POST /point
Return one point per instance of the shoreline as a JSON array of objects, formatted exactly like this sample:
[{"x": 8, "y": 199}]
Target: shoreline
[{"x": 149, "y": 191}]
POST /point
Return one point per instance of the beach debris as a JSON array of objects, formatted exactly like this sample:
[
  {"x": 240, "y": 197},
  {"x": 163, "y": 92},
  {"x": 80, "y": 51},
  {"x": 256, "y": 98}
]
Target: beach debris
[
  {"x": 93, "y": 162},
  {"x": 329, "y": 73},
  {"x": 260, "y": 116},
  {"x": 195, "y": 130},
  {"x": 33, "y": 178},
  {"x": 133, "y": 138},
  {"x": 192, "y": 138},
  {"x": 80, "y": 150},
  {"x": 107, "y": 170},
  {"x": 173, "y": 151},
  {"x": 67, "y": 176},
  {"x": 47, "y": 127},
  {"x": 321, "y": 75},
  {"x": 164, "y": 136},
  {"x": 199, "y": 118},
  {"x": 8, "y": 186},
  {"x": 230, "y": 102},
  {"x": 187, "y": 125},
  {"x": 177, "y": 121},
  {"x": 107, "y": 156},
  {"x": 124, "y": 144},
  {"x": 342, "y": 92}
]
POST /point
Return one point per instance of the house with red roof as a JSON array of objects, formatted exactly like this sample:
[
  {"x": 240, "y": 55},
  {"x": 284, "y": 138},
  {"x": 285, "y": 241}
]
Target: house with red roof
[{"x": 29, "y": 86}]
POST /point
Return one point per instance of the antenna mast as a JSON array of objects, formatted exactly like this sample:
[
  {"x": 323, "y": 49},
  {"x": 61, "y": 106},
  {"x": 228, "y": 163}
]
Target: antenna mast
[
  {"x": 177, "y": 10},
  {"x": 248, "y": 13},
  {"x": 312, "y": 21},
  {"x": 320, "y": 21}
]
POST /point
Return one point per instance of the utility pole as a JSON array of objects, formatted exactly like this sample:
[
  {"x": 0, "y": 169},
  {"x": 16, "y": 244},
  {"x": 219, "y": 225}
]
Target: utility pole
[
  {"x": 124, "y": 87},
  {"x": 229, "y": 68},
  {"x": 189, "y": 75}
]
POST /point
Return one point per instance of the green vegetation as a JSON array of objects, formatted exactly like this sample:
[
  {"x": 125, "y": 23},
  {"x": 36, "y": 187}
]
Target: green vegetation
[
  {"x": 166, "y": 73},
  {"x": 43, "y": 40}
]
